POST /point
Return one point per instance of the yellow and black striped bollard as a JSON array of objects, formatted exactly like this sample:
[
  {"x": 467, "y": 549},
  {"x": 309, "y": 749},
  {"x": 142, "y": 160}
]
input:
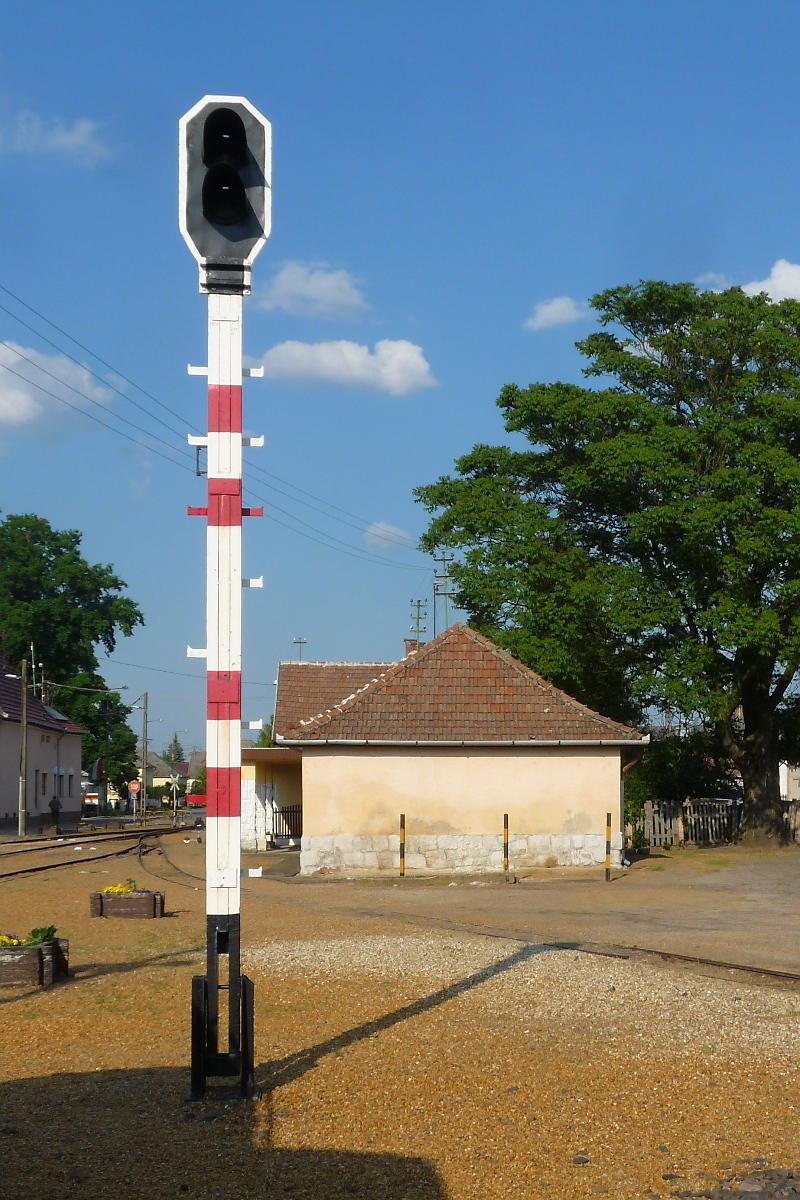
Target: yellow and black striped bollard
[
  {"x": 505, "y": 845},
  {"x": 402, "y": 843},
  {"x": 608, "y": 847}
]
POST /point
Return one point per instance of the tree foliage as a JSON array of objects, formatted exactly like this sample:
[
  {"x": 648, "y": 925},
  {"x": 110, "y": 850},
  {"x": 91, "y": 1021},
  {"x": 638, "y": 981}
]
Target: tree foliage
[
  {"x": 645, "y": 548},
  {"x": 174, "y": 751},
  {"x": 67, "y": 607},
  {"x": 265, "y": 734}
]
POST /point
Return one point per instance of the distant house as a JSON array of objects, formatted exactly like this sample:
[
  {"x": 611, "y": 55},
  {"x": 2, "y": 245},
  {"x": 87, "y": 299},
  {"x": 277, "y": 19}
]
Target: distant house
[
  {"x": 159, "y": 771},
  {"x": 53, "y": 757},
  {"x": 453, "y": 736}
]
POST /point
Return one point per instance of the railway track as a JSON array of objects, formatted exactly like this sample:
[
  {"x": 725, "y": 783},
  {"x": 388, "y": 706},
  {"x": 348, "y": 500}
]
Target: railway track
[
  {"x": 137, "y": 843},
  {"x": 13, "y": 846}
]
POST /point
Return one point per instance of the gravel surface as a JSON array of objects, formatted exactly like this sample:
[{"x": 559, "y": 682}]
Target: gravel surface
[{"x": 395, "y": 1062}]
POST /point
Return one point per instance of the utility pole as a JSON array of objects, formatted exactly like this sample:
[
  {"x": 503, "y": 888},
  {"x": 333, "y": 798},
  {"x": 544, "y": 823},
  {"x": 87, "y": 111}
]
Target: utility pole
[
  {"x": 417, "y": 618},
  {"x": 224, "y": 216},
  {"x": 299, "y": 642},
  {"x": 441, "y": 581},
  {"x": 22, "y": 824},
  {"x": 143, "y": 792}
]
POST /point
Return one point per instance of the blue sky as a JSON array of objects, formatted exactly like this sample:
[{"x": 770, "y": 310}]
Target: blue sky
[{"x": 450, "y": 183}]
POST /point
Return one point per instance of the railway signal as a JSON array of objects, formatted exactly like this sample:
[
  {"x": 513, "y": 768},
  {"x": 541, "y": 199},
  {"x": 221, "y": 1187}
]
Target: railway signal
[
  {"x": 224, "y": 216},
  {"x": 225, "y": 194}
]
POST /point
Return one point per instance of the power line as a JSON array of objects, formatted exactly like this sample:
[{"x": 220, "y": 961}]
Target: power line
[
  {"x": 81, "y": 346},
  {"x": 324, "y": 539},
  {"x": 104, "y": 382},
  {"x": 90, "y": 399},
  {"x": 184, "y": 674},
  {"x": 92, "y": 417}
]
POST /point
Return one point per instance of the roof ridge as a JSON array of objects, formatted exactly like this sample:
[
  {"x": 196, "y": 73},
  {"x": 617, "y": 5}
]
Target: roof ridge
[
  {"x": 353, "y": 698},
  {"x": 375, "y": 685},
  {"x": 379, "y": 662},
  {"x": 525, "y": 670},
  {"x": 416, "y": 657}
]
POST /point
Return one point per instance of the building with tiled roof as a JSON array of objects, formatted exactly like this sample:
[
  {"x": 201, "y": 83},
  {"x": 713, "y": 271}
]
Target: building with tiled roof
[
  {"x": 53, "y": 766},
  {"x": 454, "y": 736},
  {"x": 304, "y": 688}
]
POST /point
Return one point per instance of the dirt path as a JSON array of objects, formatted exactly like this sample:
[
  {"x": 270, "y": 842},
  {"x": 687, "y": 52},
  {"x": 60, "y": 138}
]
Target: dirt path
[{"x": 401, "y": 1057}]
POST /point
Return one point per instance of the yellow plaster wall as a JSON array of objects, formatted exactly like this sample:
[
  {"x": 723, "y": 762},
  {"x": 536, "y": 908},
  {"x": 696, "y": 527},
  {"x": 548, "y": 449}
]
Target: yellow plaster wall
[
  {"x": 459, "y": 791},
  {"x": 287, "y": 776}
]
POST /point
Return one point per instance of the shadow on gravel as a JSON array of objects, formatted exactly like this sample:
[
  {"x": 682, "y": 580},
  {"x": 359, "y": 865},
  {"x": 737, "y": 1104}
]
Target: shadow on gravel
[
  {"x": 109, "y": 1134},
  {"x": 277, "y": 1074}
]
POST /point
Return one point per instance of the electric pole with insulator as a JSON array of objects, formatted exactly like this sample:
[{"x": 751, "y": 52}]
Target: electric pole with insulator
[
  {"x": 417, "y": 617},
  {"x": 441, "y": 583},
  {"x": 225, "y": 158},
  {"x": 22, "y": 816}
]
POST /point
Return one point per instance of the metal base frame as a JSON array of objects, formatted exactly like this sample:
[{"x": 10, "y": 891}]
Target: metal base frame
[{"x": 207, "y": 1059}]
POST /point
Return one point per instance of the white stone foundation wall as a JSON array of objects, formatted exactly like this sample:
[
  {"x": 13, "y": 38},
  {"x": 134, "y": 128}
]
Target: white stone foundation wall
[
  {"x": 254, "y": 815},
  {"x": 451, "y": 853}
]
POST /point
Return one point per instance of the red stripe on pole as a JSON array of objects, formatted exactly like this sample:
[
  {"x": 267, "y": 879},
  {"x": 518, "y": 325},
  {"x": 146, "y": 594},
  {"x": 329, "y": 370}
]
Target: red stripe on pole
[
  {"x": 224, "y": 501},
  {"x": 224, "y": 686},
  {"x": 224, "y": 696},
  {"x": 224, "y": 408},
  {"x": 223, "y": 791}
]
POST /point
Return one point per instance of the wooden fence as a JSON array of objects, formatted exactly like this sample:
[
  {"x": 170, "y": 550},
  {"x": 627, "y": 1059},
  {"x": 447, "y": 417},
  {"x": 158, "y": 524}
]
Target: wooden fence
[
  {"x": 702, "y": 822},
  {"x": 697, "y": 822}
]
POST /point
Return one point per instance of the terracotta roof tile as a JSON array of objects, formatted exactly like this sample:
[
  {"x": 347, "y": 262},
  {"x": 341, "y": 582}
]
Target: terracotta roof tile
[
  {"x": 458, "y": 688},
  {"x": 306, "y": 689}
]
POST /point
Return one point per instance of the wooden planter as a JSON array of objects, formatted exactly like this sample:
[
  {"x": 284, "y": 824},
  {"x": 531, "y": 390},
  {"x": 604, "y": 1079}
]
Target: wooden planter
[
  {"x": 37, "y": 966},
  {"x": 132, "y": 904}
]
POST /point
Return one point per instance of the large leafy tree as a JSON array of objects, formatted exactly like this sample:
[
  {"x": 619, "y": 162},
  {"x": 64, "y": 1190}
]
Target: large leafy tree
[
  {"x": 67, "y": 607},
  {"x": 645, "y": 547}
]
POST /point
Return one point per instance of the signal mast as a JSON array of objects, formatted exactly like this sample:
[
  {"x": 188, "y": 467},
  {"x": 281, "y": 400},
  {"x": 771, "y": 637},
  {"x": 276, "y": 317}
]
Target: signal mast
[{"x": 224, "y": 216}]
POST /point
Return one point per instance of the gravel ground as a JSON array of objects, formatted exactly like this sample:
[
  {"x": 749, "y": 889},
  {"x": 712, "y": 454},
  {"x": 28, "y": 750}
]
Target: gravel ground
[{"x": 394, "y": 1062}]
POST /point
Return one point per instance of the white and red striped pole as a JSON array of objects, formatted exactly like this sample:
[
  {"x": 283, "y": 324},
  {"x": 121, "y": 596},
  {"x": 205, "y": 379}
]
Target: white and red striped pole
[
  {"x": 224, "y": 512},
  {"x": 224, "y": 216}
]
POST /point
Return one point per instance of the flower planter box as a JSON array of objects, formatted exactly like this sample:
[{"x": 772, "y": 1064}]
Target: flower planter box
[
  {"x": 37, "y": 966},
  {"x": 133, "y": 904}
]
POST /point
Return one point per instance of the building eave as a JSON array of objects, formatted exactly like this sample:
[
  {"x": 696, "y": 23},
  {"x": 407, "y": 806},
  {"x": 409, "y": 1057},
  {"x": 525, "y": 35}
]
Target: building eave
[{"x": 309, "y": 743}]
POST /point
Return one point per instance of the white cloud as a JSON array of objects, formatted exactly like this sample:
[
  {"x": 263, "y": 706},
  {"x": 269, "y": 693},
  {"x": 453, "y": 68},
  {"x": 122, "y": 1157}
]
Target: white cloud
[
  {"x": 23, "y": 404},
  {"x": 29, "y": 134},
  {"x": 381, "y": 536},
  {"x": 713, "y": 281},
  {"x": 313, "y": 290},
  {"x": 396, "y": 367},
  {"x": 561, "y": 310},
  {"x": 782, "y": 283}
]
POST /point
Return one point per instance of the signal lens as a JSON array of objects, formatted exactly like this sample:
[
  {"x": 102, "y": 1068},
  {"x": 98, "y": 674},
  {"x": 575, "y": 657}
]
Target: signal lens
[
  {"x": 224, "y": 198},
  {"x": 224, "y": 139}
]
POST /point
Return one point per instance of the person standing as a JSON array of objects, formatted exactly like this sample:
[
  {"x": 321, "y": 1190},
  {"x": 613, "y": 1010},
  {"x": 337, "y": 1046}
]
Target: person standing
[{"x": 55, "y": 809}]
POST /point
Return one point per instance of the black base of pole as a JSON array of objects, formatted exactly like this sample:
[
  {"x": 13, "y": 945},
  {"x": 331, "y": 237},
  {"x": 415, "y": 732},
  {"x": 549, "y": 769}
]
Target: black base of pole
[{"x": 207, "y": 1061}]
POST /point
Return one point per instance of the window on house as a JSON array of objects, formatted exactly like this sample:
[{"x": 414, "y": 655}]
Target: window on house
[
  {"x": 69, "y": 784},
  {"x": 44, "y": 783},
  {"x": 61, "y": 785},
  {"x": 36, "y": 789}
]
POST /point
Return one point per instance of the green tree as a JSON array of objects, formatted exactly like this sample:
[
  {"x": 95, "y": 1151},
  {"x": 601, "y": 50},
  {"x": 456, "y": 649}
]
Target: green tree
[
  {"x": 174, "y": 751},
  {"x": 265, "y": 735},
  {"x": 675, "y": 766},
  {"x": 645, "y": 548},
  {"x": 51, "y": 596},
  {"x": 199, "y": 785}
]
